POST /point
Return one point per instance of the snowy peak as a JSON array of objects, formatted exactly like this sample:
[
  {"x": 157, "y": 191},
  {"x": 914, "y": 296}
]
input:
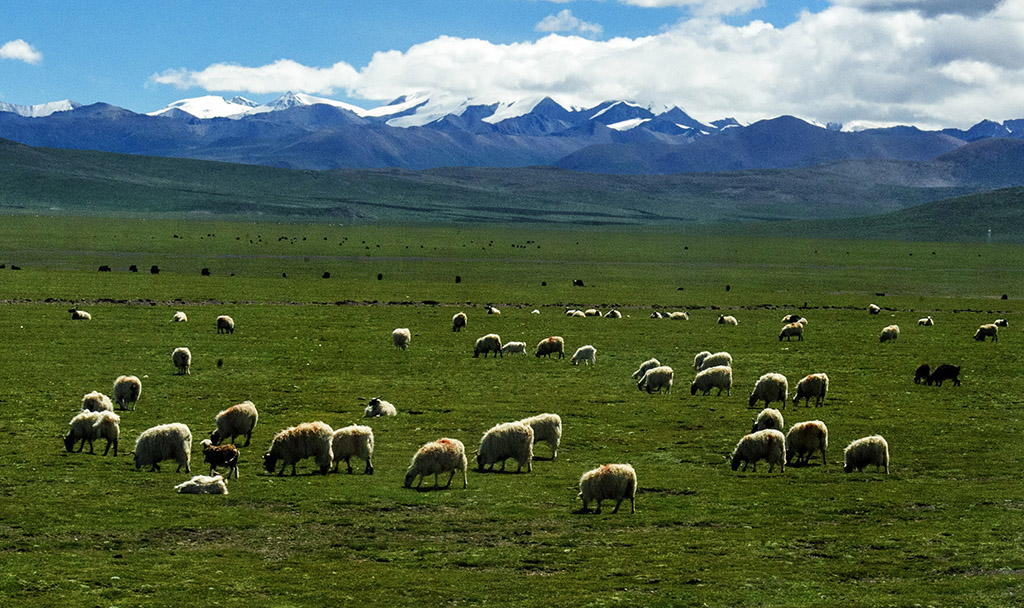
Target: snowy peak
[
  {"x": 40, "y": 110},
  {"x": 294, "y": 100},
  {"x": 214, "y": 106}
]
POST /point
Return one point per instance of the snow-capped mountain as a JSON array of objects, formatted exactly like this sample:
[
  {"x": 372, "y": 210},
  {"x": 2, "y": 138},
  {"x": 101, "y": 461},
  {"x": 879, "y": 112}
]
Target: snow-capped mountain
[
  {"x": 38, "y": 111},
  {"x": 210, "y": 106}
]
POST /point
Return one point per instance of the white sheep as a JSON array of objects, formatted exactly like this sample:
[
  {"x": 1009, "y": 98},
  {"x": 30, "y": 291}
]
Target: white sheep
[
  {"x": 769, "y": 418},
  {"x": 926, "y": 321},
  {"x": 577, "y": 313},
  {"x": 790, "y": 330},
  {"x": 1001, "y": 323},
  {"x": 719, "y": 377},
  {"x": 571, "y": 312},
  {"x": 307, "y": 440},
  {"x": 698, "y": 359},
  {"x": 547, "y": 428},
  {"x": 889, "y": 333},
  {"x": 812, "y": 385},
  {"x": 873, "y": 309},
  {"x": 657, "y": 378},
  {"x": 237, "y": 420},
  {"x": 679, "y": 316},
  {"x": 179, "y": 317},
  {"x": 550, "y": 346},
  {"x": 203, "y": 484},
  {"x": 613, "y": 314},
  {"x": 534, "y": 312},
  {"x": 491, "y": 343},
  {"x": 504, "y": 441},
  {"x": 770, "y": 387},
  {"x": 716, "y": 359},
  {"x": 491, "y": 310},
  {"x": 514, "y": 348},
  {"x": 768, "y": 445},
  {"x": 225, "y": 325},
  {"x": 792, "y": 318},
  {"x": 182, "y": 358},
  {"x": 355, "y": 440},
  {"x": 586, "y": 354},
  {"x": 804, "y": 439},
  {"x": 441, "y": 456},
  {"x": 378, "y": 407},
  {"x": 127, "y": 390},
  {"x": 864, "y": 451},
  {"x": 164, "y": 442},
  {"x": 646, "y": 365},
  {"x": 79, "y": 315},
  {"x": 987, "y": 330},
  {"x": 609, "y": 482},
  {"x": 401, "y": 337},
  {"x": 657, "y": 315},
  {"x": 591, "y": 312},
  {"x": 97, "y": 402},
  {"x": 727, "y": 320},
  {"x": 458, "y": 321},
  {"x": 90, "y": 426}
]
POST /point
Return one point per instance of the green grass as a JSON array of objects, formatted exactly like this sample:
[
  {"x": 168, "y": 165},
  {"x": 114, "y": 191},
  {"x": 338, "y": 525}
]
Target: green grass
[{"x": 943, "y": 529}]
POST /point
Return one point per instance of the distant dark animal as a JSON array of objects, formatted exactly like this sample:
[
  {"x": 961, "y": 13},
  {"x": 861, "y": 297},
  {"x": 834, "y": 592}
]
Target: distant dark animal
[
  {"x": 945, "y": 371},
  {"x": 220, "y": 456},
  {"x": 577, "y": 283},
  {"x": 104, "y": 268},
  {"x": 922, "y": 373},
  {"x": 205, "y": 272},
  {"x": 133, "y": 268},
  {"x": 154, "y": 269},
  {"x": 326, "y": 275}
]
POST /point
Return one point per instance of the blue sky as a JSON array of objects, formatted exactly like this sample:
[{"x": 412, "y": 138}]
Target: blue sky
[{"x": 925, "y": 62}]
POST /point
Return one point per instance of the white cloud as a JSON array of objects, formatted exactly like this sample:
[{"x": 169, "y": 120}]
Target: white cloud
[
  {"x": 565, "y": 21},
  {"x": 702, "y": 7},
  {"x": 19, "y": 50},
  {"x": 282, "y": 75}
]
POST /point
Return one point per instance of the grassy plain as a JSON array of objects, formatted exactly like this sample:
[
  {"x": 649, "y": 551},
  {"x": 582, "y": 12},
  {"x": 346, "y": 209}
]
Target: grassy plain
[{"x": 943, "y": 529}]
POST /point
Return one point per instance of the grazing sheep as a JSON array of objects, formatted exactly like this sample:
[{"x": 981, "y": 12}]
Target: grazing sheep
[
  {"x": 719, "y": 376},
  {"x": 182, "y": 358},
  {"x": 203, "y": 484},
  {"x": 127, "y": 390},
  {"x": 864, "y": 451},
  {"x": 504, "y": 441},
  {"x": 989, "y": 329},
  {"x": 727, "y": 320},
  {"x": 79, "y": 315},
  {"x": 812, "y": 385},
  {"x": 97, "y": 402},
  {"x": 926, "y": 321},
  {"x": 591, "y": 312},
  {"x": 307, "y": 440},
  {"x": 768, "y": 445},
  {"x": 922, "y": 373},
  {"x": 609, "y": 482},
  {"x": 179, "y": 317},
  {"x": 722, "y": 358},
  {"x": 492, "y": 310},
  {"x": 491, "y": 343},
  {"x": 441, "y": 456},
  {"x": 225, "y": 325},
  {"x": 646, "y": 365},
  {"x": 657, "y": 315},
  {"x": 873, "y": 309},
  {"x": 698, "y": 359},
  {"x": 793, "y": 318},
  {"x": 657, "y": 378},
  {"x": 587, "y": 354},
  {"x": 165, "y": 442},
  {"x": 770, "y": 387},
  {"x": 769, "y": 418},
  {"x": 550, "y": 346},
  {"x": 355, "y": 440},
  {"x": 378, "y": 407},
  {"x": 889, "y": 333},
  {"x": 547, "y": 428},
  {"x": 236, "y": 420},
  {"x": 1001, "y": 323},
  {"x": 458, "y": 321},
  {"x": 945, "y": 371},
  {"x": 804, "y": 439},
  {"x": 790, "y": 330},
  {"x": 220, "y": 456},
  {"x": 90, "y": 426},
  {"x": 679, "y": 316},
  {"x": 401, "y": 337},
  {"x": 514, "y": 348},
  {"x": 613, "y": 314}
]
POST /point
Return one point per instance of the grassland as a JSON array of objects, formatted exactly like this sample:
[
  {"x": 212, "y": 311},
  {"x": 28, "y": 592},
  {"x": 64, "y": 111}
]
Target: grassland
[{"x": 943, "y": 529}]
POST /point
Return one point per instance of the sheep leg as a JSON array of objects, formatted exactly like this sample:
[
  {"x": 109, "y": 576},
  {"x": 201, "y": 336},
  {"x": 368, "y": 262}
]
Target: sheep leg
[
  {"x": 450, "y": 478},
  {"x": 293, "y": 469},
  {"x": 617, "y": 503},
  {"x": 598, "y": 510},
  {"x": 502, "y": 466},
  {"x": 348, "y": 464},
  {"x": 248, "y": 438},
  {"x": 435, "y": 480},
  {"x": 369, "y": 468}
]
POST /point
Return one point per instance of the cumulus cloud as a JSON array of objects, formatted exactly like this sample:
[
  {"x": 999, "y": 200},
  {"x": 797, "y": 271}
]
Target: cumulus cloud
[
  {"x": 929, "y": 8},
  {"x": 565, "y": 21},
  {"x": 19, "y": 50},
  {"x": 282, "y": 75}
]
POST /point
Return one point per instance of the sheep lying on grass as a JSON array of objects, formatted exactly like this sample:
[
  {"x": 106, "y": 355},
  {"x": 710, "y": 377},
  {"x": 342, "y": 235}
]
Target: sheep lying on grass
[
  {"x": 378, "y": 407},
  {"x": 768, "y": 445},
  {"x": 504, "y": 441},
  {"x": 874, "y": 309},
  {"x": 220, "y": 456},
  {"x": 804, "y": 439},
  {"x": 547, "y": 428},
  {"x": 491, "y": 310},
  {"x": 90, "y": 426},
  {"x": 770, "y": 387},
  {"x": 727, "y": 320},
  {"x": 889, "y": 333},
  {"x": 127, "y": 390},
  {"x": 458, "y": 321},
  {"x": 237, "y": 420},
  {"x": 989, "y": 330},
  {"x": 866, "y": 451},
  {"x": 179, "y": 317},
  {"x": 225, "y": 325},
  {"x": 812, "y": 385},
  {"x": 646, "y": 365},
  {"x": 202, "y": 484},
  {"x": 491, "y": 343},
  {"x": 609, "y": 482},
  {"x": 79, "y": 315},
  {"x": 769, "y": 418},
  {"x": 550, "y": 346},
  {"x": 442, "y": 456},
  {"x": 926, "y": 321},
  {"x": 585, "y": 354},
  {"x": 401, "y": 337},
  {"x": 307, "y": 440},
  {"x": 355, "y": 440},
  {"x": 656, "y": 378},
  {"x": 943, "y": 372},
  {"x": 182, "y": 359},
  {"x": 719, "y": 377},
  {"x": 164, "y": 442},
  {"x": 613, "y": 314},
  {"x": 97, "y": 402},
  {"x": 514, "y": 348},
  {"x": 679, "y": 316}
]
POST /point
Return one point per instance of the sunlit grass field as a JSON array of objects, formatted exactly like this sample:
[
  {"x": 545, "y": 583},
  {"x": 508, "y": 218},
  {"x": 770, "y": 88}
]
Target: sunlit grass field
[{"x": 944, "y": 528}]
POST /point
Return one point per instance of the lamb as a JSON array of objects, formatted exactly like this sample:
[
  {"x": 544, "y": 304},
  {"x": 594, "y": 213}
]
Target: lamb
[
  {"x": 609, "y": 482},
  {"x": 926, "y": 321},
  {"x": 202, "y": 484},
  {"x": 458, "y": 321},
  {"x": 812, "y": 385},
  {"x": 550, "y": 346},
  {"x": 514, "y": 348},
  {"x": 236, "y": 420},
  {"x": 698, "y": 359},
  {"x": 79, "y": 315},
  {"x": 719, "y": 376},
  {"x": 864, "y": 451},
  {"x": 613, "y": 314},
  {"x": 874, "y": 309},
  {"x": 1001, "y": 323},
  {"x": 768, "y": 445},
  {"x": 793, "y": 318},
  {"x": 804, "y": 439},
  {"x": 441, "y": 456},
  {"x": 504, "y": 441},
  {"x": 679, "y": 316},
  {"x": 889, "y": 333},
  {"x": 401, "y": 337},
  {"x": 487, "y": 344},
  {"x": 220, "y": 456},
  {"x": 179, "y": 317},
  {"x": 769, "y": 418},
  {"x": 97, "y": 402},
  {"x": 547, "y": 428},
  {"x": 646, "y": 365},
  {"x": 945, "y": 371},
  {"x": 307, "y": 440},
  {"x": 921, "y": 373},
  {"x": 727, "y": 320},
  {"x": 127, "y": 390},
  {"x": 770, "y": 387},
  {"x": 225, "y": 325},
  {"x": 656, "y": 378},
  {"x": 182, "y": 358},
  {"x": 378, "y": 407},
  {"x": 164, "y": 442},
  {"x": 90, "y": 426},
  {"x": 989, "y": 329},
  {"x": 722, "y": 358},
  {"x": 790, "y": 330},
  {"x": 355, "y": 440},
  {"x": 586, "y": 354},
  {"x": 492, "y": 310}
]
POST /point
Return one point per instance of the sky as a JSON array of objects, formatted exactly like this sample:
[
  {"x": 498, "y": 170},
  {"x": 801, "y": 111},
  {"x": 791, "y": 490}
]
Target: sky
[{"x": 929, "y": 63}]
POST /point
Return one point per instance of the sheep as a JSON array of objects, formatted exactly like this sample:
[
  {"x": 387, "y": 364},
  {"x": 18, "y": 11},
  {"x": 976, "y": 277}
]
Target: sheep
[
  {"x": 657, "y": 378},
  {"x": 657, "y": 315},
  {"x": 90, "y": 426},
  {"x": 679, "y": 316},
  {"x": 989, "y": 329},
  {"x": 770, "y": 387},
  {"x": 864, "y": 451},
  {"x": 504, "y": 441},
  {"x": 441, "y": 456},
  {"x": 514, "y": 348},
  {"x": 307, "y": 440},
  {"x": 646, "y": 365},
  {"x": 1001, "y": 323},
  {"x": 719, "y": 376},
  {"x": 79, "y": 315},
  {"x": 812, "y": 385},
  {"x": 793, "y": 318},
  {"x": 874, "y": 309},
  {"x": 401, "y": 337},
  {"x": 225, "y": 325},
  {"x": 613, "y": 314},
  {"x": 722, "y": 358},
  {"x": 591, "y": 312},
  {"x": 921, "y": 373},
  {"x": 179, "y": 317},
  {"x": 378, "y": 407},
  {"x": 571, "y": 312},
  {"x": 945, "y": 371},
  {"x": 97, "y": 402},
  {"x": 220, "y": 456},
  {"x": 127, "y": 390},
  {"x": 889, "y": 333},
  {"x": 491, "y": 343},
  {"x": 547, "y": 428},
  {"x": 164, "y": 442},
  {"x": 926, "y": 321},
  {"x": 727, "y": 320},
  {"x": 587, "y": 354},
  {"x": 550, "y": 346},
  {"x": 609, "y": 482},
  {"x": 534, "y": 312},
  {"x": 182, "y": 358},
  {"x": 236, "y": 420},
  {"x": 577, "y": 313},
  {"x": 804, "y": 439},
  {"x": 790, "y": 330},
  {"x": 769, "y": 418},
  {"x": 698, "y": 359},
  {"x": 458, "y": 321},
  {"x": 492, "y": 310},
  {"x": 203, "y": 484},
  {"x": 355, "y": 440},
  {"x": 768, "y": 445}
]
